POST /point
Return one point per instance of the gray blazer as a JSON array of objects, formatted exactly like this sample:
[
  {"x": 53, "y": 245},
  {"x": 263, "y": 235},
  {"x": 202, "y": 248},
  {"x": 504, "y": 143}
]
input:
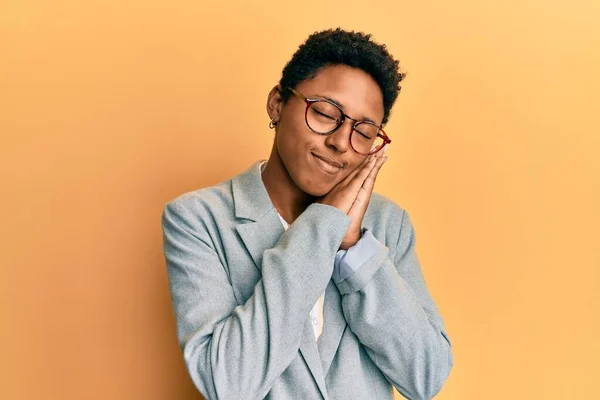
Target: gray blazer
[{"x": 242, "y": 289}]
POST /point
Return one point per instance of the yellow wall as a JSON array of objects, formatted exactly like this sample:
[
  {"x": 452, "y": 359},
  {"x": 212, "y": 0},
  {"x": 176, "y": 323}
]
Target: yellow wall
[{"x": 109, "y": 110}]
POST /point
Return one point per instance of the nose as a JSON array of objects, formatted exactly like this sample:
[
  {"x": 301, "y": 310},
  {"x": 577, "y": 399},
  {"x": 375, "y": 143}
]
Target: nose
[{"x": 339, "y": 140}]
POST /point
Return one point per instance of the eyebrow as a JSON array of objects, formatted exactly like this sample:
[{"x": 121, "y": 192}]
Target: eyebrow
[{"x": 364, "y": 118}]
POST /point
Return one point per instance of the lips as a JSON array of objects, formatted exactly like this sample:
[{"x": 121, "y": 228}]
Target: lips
[
  {"x": 327, "y": 165},
  {"x": 328, "y": 160}
]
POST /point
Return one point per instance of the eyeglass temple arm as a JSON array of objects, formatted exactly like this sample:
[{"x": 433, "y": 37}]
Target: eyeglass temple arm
[{"x": 297, "y": 93}]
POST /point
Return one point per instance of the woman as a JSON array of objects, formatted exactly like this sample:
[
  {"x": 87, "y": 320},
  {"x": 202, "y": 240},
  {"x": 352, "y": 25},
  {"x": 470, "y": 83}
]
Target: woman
[{"x": 293, "y": 280}]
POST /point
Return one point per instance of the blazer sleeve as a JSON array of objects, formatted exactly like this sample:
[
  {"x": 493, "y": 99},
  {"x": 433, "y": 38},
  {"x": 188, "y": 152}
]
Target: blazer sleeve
[
  {"x": 237, "y": 351},
  {"x": 388, "y": 307}
]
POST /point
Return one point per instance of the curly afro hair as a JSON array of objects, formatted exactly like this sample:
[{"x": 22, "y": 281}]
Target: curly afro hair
[{"x": 355, "y": 49}]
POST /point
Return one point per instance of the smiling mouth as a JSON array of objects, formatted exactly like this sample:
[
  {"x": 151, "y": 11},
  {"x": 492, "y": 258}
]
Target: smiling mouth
[{"x": 326, "y": 166}]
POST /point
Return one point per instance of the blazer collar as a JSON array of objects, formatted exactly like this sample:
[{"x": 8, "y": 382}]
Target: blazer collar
[{"x": 250, "y": 197}]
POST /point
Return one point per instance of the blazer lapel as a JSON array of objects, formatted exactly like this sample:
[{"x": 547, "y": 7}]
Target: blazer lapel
[
  {"x": 252, "y": 202},
  {"x": 261, "y": 235},
  {"x": 333, "y": 327},
  {"x": 262, "y": 231},
  {"x": 310, "y": 353}
]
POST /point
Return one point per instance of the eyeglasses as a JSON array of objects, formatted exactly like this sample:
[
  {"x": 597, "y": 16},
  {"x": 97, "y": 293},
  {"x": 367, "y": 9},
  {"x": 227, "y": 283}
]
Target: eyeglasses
[{"x": 324, "y": 117}]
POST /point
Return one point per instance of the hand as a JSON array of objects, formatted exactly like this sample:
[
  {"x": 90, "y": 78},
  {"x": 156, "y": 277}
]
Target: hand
[{"x": 352, "y": 195}]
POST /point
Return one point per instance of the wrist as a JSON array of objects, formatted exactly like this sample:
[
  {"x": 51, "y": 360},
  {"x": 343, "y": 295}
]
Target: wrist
[{"x": 351, "y": 240}]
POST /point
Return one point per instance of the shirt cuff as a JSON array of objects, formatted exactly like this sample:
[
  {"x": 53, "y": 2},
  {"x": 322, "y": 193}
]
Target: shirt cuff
[{"x": 348, "y": 261}]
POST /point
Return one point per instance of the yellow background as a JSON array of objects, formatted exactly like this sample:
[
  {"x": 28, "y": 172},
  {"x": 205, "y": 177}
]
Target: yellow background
[{"x": 110, "y": 109}]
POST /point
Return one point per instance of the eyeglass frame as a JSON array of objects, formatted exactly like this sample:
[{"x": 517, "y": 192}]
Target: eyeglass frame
[{"x": 310, "y": 101}]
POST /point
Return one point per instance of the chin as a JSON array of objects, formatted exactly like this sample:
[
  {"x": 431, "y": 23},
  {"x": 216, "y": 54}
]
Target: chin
[
  {"x": 315, "y": 193},
  {"x": 309, "y": 182},
  {"x": 310, "y": 186}
]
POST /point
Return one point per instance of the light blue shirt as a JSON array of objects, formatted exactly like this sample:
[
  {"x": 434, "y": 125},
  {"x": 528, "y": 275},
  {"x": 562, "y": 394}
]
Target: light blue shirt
[{"x": 348, "y": 261}]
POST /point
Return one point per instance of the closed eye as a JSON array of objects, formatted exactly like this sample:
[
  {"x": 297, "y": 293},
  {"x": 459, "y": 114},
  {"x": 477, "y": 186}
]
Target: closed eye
[
  {"x": 364, "y": 135},
  {"x": 325, "y": 115}
]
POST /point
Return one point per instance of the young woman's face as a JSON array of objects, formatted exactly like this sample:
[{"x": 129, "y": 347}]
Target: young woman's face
[{"x": 299, "y": 148}]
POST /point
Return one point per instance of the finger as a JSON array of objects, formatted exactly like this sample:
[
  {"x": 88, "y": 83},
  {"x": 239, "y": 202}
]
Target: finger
[
  {"x": 352, "y": 174},
  {"x": 369, "y": 182},
  {"x": 381, "y": 153},
  {"x": 360, "y": 204},
  {"x": 350, "y": 186},
  {"x": 365, "y": 163},
  {"x": 359, "y": 178},
  {"x": 363, "y": 196}
]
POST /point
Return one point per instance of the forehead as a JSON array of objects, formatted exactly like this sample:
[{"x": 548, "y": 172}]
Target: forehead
[{"x": 352, "y": 88}]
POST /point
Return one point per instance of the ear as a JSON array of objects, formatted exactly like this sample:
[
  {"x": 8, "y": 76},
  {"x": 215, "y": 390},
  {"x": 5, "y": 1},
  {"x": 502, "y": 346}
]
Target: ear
[{"x": 274, "y": 103}]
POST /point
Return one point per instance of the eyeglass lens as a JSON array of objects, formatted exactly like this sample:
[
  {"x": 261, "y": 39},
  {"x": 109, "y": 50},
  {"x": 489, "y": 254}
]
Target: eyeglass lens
[{"x": 324, "y": 117}]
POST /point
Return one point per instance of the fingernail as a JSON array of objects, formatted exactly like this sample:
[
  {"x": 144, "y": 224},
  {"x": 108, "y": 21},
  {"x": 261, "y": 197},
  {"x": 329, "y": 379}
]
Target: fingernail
[{"x": 385, "y": 148}]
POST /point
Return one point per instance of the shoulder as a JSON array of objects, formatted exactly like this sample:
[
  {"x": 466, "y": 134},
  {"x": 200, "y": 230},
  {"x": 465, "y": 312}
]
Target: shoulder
[
  {"x": 211, "y": 202},
  {"x": 388, "y": 221},
  {"x": 383, "y": 208}
]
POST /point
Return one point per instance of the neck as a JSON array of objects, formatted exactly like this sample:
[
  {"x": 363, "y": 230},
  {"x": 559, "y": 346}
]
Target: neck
[{"x": 288, "y": 199}]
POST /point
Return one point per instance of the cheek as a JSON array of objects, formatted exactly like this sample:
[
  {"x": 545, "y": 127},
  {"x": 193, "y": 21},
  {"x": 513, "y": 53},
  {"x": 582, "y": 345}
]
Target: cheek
[
  {"x": 290, "y": 145},
  {"x": 295, "y": 143}
]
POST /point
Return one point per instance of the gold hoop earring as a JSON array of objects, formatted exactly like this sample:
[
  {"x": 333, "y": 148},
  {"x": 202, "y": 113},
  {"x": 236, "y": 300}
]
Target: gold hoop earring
[{"x": 272, "y": 124}]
